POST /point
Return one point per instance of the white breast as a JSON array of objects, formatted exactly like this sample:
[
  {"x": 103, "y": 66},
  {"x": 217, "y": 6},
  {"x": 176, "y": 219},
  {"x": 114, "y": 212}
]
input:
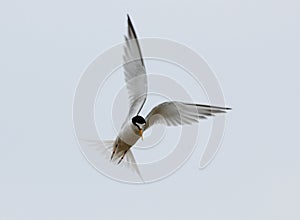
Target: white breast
[{"x": 129, "y": 134}]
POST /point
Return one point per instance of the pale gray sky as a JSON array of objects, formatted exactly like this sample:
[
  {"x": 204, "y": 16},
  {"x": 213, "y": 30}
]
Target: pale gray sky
[{"x": 253, "y": 47}]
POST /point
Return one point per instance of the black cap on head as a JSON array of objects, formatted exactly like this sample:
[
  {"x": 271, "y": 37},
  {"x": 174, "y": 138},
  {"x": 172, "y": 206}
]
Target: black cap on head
[{"x": 138, "y": 119}]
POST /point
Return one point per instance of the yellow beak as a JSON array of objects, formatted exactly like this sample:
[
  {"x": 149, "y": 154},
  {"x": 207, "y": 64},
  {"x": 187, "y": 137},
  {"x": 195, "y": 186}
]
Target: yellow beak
[{"x": 141, "y": 133}]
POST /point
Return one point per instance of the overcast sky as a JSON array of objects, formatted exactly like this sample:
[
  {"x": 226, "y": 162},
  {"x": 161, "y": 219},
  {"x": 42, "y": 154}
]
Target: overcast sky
[{"x": 252, "y": 46}]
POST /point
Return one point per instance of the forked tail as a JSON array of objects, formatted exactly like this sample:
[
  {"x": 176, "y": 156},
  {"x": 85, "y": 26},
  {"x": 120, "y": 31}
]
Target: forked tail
[{"x": 115, "y": 155}]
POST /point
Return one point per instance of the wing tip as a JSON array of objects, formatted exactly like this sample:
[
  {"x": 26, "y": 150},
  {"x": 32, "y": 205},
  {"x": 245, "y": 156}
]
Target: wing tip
[
  {"x": 128, "y": 19},
  {"x": 129, "y": 22},
  {"x": 131, "y": 35},
  {"x": 227, "y": 108},
  {"x": 212, "y": 106},
  {"x": 131, "y": 31}
]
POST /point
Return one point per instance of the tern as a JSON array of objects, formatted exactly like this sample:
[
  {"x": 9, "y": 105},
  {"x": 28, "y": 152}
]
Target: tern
[{"x": 174, "y": 113}]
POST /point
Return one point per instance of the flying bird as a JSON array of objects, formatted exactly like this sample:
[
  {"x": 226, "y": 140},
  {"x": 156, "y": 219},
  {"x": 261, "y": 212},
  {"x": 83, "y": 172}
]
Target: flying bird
[{"x": 173, "y": 113}]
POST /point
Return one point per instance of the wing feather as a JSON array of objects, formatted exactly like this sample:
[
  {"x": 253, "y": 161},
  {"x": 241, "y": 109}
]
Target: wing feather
[
  {"x": 134, "y": 71},
  {"x": 180, "y": 113}
]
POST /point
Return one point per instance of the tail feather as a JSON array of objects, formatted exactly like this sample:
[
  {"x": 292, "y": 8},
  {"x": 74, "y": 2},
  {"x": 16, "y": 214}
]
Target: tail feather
[
  {"x": 132, "y": 163},
  {"x": 107, "y": 146}
]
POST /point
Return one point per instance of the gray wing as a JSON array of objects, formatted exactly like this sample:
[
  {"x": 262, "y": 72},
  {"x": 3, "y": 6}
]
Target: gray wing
[
  {"x": 180, "y": 113},
  {"x": 135, "y": 72}
]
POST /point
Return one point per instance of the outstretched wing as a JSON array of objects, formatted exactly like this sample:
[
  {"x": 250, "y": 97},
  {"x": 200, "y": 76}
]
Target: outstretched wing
[
  {"x": 135, "y": 72},
  {"x": 180, "y": 113}
]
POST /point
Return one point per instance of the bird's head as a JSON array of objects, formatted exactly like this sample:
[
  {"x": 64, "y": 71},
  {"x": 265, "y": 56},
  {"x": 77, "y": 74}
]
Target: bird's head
[{"x": 139, "y": 124}]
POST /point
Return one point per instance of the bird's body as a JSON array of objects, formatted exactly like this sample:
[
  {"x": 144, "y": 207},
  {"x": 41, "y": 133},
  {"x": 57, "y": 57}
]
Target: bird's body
[
  {"x": 168, "y": 113},
  {"x": 128, "y": 134},
  {"x": 126, "y": 138}
]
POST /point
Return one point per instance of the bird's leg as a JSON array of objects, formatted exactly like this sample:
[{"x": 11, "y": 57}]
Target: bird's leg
[
  {"x": 122, "y": 156},
  {"x": 114, "y": 151}
]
